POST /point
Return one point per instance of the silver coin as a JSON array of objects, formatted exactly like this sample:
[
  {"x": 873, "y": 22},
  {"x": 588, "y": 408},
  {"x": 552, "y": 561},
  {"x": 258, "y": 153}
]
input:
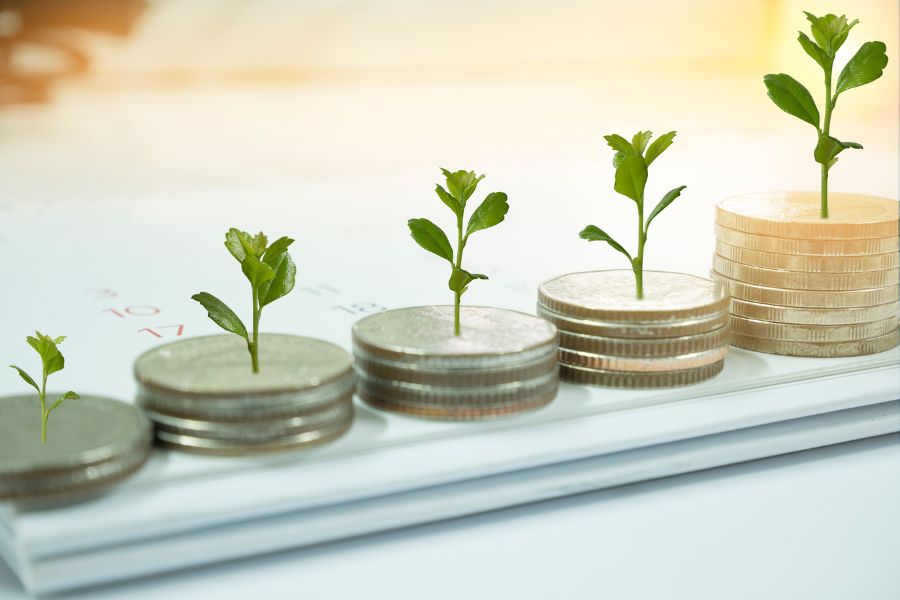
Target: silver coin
[
  {"x": 634, "y": 330},
  {"x": 807, "y": 263},
  {"x": 808, "y": 247},
  {"x": 91, "y": 442},
  {"x": 636, "y": 380},
  {"x": 874, "y": 345},
  {"x": 811, "y": 333},
  {"x": 808, "y": 298},
  {"x": 797, "y": 280},
  {"x": 646, "y": 348},
  {"x": 609, "y": 296},
  {"x": 813, "y": 316},
  {"x": 681, "y": 362}
]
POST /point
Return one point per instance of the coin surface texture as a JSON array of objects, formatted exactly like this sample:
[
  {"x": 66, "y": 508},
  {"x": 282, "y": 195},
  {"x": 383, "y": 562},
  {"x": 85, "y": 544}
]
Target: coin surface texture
[
  {"x": 813, "y": 316},
  {"x": 794, "y": 280},
  {"x": 806, "y": 263},
  {"x": 640, "y": 379},
  {"x": 822, "y": 247},
  {"x": 811, "y": 333},
  {"x": 808, "y": 298},
  {"x": 818, "y": 349}
]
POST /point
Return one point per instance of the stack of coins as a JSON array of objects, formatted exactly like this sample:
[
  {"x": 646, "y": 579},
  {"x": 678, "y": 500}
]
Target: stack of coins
[
  {"x": 807, "y": 286},
  {"x": 409, "y": 361},
  {"x": 676, "y": 335},
  {"x": 204, "y": 397},
  {"x": 92, "y": 443}
]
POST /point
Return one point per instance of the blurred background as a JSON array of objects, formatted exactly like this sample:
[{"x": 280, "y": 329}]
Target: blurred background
[{"x": 318, "y": 104}]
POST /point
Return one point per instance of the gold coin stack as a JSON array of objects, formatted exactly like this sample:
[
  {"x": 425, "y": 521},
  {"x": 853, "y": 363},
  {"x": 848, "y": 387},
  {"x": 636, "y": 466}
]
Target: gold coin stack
[
  {"x": 802, "y": 285},
  {"x": 678, "y": 334}
]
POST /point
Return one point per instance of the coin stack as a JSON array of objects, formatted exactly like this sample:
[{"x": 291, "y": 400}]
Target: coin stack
[
  {"x": 676, "y": 335},
  {"x": 204, "y": 397},
  {"x": 807, "y": 286},
  {"x": 92, "y": 443},
  {"x": 409, "y": 361}
]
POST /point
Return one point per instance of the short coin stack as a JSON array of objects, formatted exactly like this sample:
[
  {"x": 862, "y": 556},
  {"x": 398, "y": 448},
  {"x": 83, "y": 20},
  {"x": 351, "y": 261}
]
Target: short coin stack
[
  {"x": 92, "y": 443},
  {"x": 677, "y": 334},
  {"x": 409, "y": 361},
  {"x": 807, "y": 286},
  {"x": 204, "y": 398}
]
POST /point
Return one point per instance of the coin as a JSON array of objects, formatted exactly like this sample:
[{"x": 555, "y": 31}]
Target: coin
[
  {"x": 776, "y": 245},
  {"x": 91, "y": 443},
  {"x": 808, "y": 298},
  {"x": 813, "y": 316},
  {"x": 796, "y": 215},
  {"x": 645, "y": 348},
  {"x": 805, "y": 281},
  {"x": 618, "y": 363},
  {"x": 812, "y": 264},
  {"x": 811, "y": 333},
  {"x": 818, "y": 349},
  {"x": 634, "y": 330},
  {"x": 456, "y": 413},
  {"x": 609, "y": 296},
  {"x": 626, "y": 379}
]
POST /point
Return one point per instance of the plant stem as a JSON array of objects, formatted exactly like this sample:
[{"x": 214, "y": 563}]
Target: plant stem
[
  {"x": 637, "y": 264},
  {"x": 826, "y": 129},
  {"x": 254, "y": 345},
  {"x": 458, "y": 265},
  {"x": 44, "y": 413}
]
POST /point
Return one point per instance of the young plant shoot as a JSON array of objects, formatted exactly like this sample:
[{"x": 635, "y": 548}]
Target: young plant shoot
[
  {"x": 271, "y": 274},
  {"x": 52, "y": 361},
  {"x": 830, "y": 32},
  {"x": 460, "y": 187},
  {"x": 631, "y": 161}
]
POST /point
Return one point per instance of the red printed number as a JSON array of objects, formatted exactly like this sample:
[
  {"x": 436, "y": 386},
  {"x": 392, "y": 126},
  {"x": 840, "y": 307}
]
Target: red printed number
[
  {"x": 155, "y": 332},
  {"x": 133, "y": 311}
]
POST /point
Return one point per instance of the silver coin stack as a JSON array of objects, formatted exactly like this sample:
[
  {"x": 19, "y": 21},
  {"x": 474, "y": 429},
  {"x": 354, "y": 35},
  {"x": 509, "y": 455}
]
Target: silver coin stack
[
  {"x": 409, "y": 361},
  {"x": 92, "y": 444},
  {"x": 678, "y": 334},
  {"x": 204, "y": 398}
]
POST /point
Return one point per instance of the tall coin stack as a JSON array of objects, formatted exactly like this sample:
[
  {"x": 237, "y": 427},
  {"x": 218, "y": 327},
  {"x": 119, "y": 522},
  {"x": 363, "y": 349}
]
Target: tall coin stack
[
  {"x": 204, "y": 398},
  {"x": 676, "y": 335},
  {"x": 409, "y": 361},
  {"x": 803, "y": 285}
]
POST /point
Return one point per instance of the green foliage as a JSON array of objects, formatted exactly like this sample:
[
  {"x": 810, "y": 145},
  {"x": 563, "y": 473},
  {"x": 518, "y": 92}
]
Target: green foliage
[
  {"x": 271, "y": 273},
  {"x": 52, "y": 361},
  {"x": 460, "y": 185},
  {"x": 828, "y": 35},
  {"x": 631, "y": 161}
]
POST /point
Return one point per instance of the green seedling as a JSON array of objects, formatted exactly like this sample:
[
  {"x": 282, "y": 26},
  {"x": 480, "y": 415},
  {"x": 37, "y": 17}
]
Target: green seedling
[
  {"x": 51, "y": 362},
  {"x": 631, "y": 161},
  {"x": 271, "y": 274},
  {"x": 460, "y": 187},
  {"x": 830, "y": 32}
]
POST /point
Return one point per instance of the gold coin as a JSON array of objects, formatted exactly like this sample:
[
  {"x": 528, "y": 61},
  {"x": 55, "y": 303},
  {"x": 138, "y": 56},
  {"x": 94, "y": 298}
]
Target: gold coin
[
  {"x": 617, "y": 363},
  {"x": 625, "y": 379},
  {"x": 808, "y": 298},
  {"x": 609, "y": 296},
  {"x": 777, "y": 245},
  {"x": 796, "y": 215},
  {"x": 813, "y": 316},
  {"x": 818, "y": 349},
  {"x": 806, "y": 263},
  {"x": 811, "y": 333},
  {"x": 795, "y": 280},
  {"x": 634, "y": 330},
  {"x": 645, "y": 348}
]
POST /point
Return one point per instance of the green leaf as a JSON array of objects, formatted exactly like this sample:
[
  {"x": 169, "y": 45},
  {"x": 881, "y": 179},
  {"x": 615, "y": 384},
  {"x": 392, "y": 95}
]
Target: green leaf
[
  {"x": 256, "y": 271},
  {"x": 631, "y": 177},
  {"x": 618, "y": 143},
  {"x": 866, "y": 66},
  {"x": 235, "y": 241},
  {"x": 27, "y": 378},
  {"x": 461, "y": 184},
  {"x": 449, "y": 200},
  {"x": 220, "y": 314},
  {"x": 830, "y": 31},
  {"x": 273, "y": 253},
  {"x": 259, "y": 243},
  {"x": 666, "y": 201},
  {"x": 431, "y": 237},
  {"x": 51, "y": 358},
  {"x": 592, "y": 233},
  {"x": 460, "y": 280},
  {"x": 70, "y": 395},
  {"x": 283, "y": 282},
  {"x": 790, "y": 96},
  {"x": 829, "y": 147},
  {"x": 640, "y": 139},
  {"x": 491, "y": 212},
  {"x": 659, "y": 146},
  {"x": 814, "y": 51}
]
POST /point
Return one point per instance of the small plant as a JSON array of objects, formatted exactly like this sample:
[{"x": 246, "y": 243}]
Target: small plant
[
  {"x": 631, "y": 161},
  {"x": 460, "y": 187},
  {"x": 271, "y": 274},
  {"x": 52, "y": 361},
  {"x": 867, "y": 65}
]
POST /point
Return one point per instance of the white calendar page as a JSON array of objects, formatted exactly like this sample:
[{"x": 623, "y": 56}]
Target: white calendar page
[{"x": 105, "y": 244}]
